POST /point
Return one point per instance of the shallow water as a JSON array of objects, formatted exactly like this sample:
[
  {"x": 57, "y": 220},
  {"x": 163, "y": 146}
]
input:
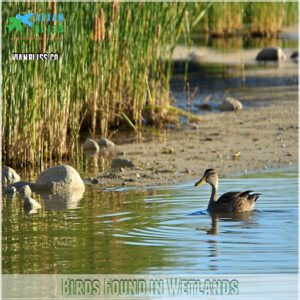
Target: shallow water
[
  {"x": 227, "y": 67},
  {"x": 151, "y": 231}
]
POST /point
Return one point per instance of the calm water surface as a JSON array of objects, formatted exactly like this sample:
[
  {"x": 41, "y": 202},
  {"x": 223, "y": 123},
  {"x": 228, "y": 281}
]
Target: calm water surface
[{"x": 151, "y": 231}]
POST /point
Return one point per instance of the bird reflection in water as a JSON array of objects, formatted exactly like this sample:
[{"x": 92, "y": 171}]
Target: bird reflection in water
[{"x": 246, "y": 217}]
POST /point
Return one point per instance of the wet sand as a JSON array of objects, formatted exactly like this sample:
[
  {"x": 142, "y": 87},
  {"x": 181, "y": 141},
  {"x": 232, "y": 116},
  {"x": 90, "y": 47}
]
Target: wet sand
[{"x": 256, "y": 138}]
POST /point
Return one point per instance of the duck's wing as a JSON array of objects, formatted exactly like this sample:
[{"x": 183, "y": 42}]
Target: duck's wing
[
  {"x": 244, "y": 201},
  {"x": 228, "y": 197},
  {"x": 237, "y": 201}
]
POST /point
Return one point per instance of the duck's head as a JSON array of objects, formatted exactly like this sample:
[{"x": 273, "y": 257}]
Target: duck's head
[{"x": 210, "y": 176}]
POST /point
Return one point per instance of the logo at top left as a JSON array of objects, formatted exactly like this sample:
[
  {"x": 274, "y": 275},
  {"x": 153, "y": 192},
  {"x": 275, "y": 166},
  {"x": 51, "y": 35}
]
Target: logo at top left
[
  {"x": 18, "y": 21},
  {"x": 40, "y": 22}
]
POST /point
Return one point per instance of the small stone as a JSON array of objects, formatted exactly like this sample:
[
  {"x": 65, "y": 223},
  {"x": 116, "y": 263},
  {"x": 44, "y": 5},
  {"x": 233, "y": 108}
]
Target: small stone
[
  {"x": 121, "y": 153},
  {"x": 10, "y": 190},
  {"x": 104, "y": 142},
  {"x": 118, "y": 163},
  {"x": 208, "y": 139},
  {"x": 231, "y": 104},
  {"x": 138, "y": 175},
  {"x": 9, "y": 176},
  {"x": 294, "y": 56},
  {"x": 95, "y": 181},
  {"x": 130, "y": 180},
  {"x": 271, "y": 54},
  {"x": 283, "y": 146},
  {"x": 194, "y": 126},
  {"x": 112, "y": 175},
  {"x": 20, "y": 184},
  {"x": 169, "y": 150},
  {"x": 25, "y": 191},
  {"x": 31, "y": 204},
  {"x": 90, "y": 145}
]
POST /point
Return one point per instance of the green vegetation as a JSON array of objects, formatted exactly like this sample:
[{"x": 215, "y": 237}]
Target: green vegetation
[
  {"x": 109, "y": 73},
  {"x": 108, "y": 67},
  {"x": 255, "y": 18}
]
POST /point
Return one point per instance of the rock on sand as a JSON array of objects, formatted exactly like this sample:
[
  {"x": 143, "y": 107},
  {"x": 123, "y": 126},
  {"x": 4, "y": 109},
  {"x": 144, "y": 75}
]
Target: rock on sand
[
  {"x": 59, "y": 179},
  {"x": 9, "y": 176},
  {"x": 294, "y": 56},
  {"x": 271, "y": 54},
  {"x": 121, "y": 163},
  {"x": 103, "y": 142},
  {"x": 90, "y": 145},
  {"x": 230, "y": 104}
]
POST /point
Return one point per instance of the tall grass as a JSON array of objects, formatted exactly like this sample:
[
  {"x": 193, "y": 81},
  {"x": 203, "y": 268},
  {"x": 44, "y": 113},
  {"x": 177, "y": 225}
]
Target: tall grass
[
  {"x": 109, "y": 68},
  {"x": 109, "y": 64},
  {"x": 255, "y": 18}
]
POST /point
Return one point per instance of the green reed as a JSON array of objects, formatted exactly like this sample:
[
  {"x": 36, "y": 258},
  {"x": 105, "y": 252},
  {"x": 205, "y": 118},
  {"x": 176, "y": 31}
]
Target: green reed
[
  {"x": 255, "y": 18},
  {"x": 109, "y": 64},
  {"x": 110, "y": 68}
]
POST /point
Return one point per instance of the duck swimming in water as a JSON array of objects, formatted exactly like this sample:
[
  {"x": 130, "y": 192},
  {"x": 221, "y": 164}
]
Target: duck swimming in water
[{"x": 229, "y": 202}]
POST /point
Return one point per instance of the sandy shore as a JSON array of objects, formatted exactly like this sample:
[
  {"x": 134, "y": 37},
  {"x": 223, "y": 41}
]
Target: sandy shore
[{"x": 233, "y": 142}]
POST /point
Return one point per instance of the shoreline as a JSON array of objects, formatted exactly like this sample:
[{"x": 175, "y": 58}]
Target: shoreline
[{"x": 254, "y": 139}]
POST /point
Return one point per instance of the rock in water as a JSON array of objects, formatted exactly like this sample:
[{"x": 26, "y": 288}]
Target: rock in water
[
  {"x": 95, "y": 181},
  {"x": 31, "y": 204},
  {"x": 61, "y": 201},
  {"x": 103, "y": 142},
  {"x": 9, "y": 176},
  {"x": 18, "y": 185},
  {"x": 119, "y": 163},
  {"x": 25, "y": 191},
  {"x": 294, "y": 56},
  {"x": 271, "y": 54},
  {"x": 90, "y": 145},
  {"x": 10, "y": 190},
  {"x": 59, "y": 179},
  {"x": 230, "y": 104}
]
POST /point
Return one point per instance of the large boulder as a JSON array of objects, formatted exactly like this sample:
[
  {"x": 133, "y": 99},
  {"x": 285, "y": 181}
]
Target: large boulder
[
  {"x": 90, "y": 145},
  {"x": 9, "y": 176},
  {"x": 230, "y": 104},
  {"x": 271, "y": 54},
  {"x": 61, "y": 200},
  {"x": 59, "y": 179}
]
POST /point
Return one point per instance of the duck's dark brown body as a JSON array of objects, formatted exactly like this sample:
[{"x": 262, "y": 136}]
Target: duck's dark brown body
[{"x": 234, "y": 202}]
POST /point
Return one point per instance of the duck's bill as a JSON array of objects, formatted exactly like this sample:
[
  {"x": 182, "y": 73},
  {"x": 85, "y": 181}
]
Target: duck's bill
[{"x": 200, "y": 182}]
